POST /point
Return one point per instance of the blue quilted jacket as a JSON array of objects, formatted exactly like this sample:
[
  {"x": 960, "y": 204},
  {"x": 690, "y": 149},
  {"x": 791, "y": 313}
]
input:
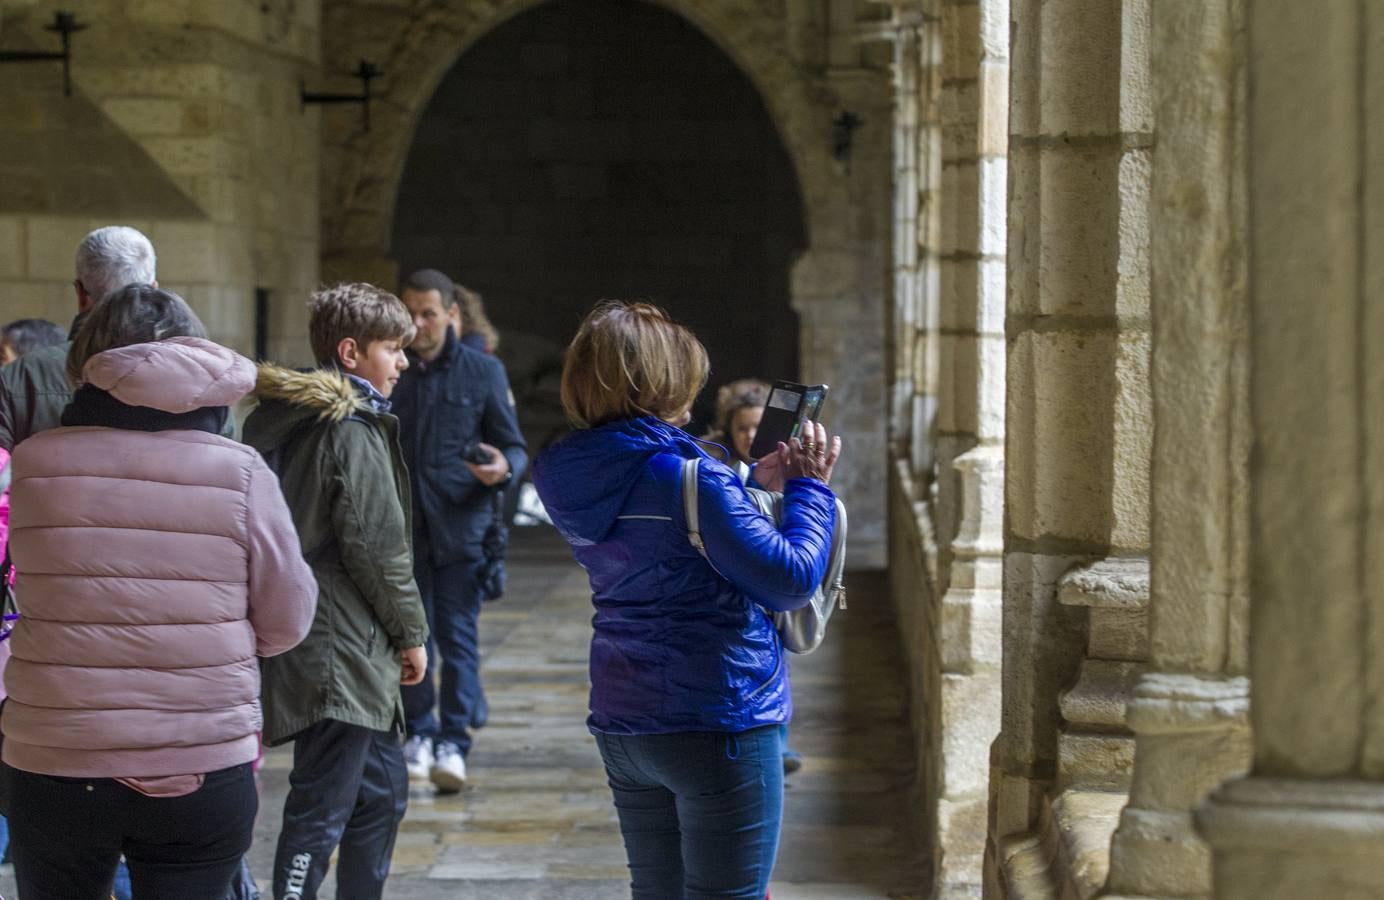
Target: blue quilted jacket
[{"x": 680, "y": 645}]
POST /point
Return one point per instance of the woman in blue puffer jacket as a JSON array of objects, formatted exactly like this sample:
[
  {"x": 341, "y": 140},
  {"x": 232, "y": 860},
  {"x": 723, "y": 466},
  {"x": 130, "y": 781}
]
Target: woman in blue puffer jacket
[{"x": 688, "y": 680}]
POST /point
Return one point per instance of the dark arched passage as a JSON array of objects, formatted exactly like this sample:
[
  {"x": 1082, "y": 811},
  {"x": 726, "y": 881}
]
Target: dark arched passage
[{"x": 590, "y": 149}]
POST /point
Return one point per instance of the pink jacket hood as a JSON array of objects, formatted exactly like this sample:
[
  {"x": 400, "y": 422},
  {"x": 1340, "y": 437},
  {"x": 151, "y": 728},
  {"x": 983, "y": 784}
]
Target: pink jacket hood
[{"x": 176, "y": 375}]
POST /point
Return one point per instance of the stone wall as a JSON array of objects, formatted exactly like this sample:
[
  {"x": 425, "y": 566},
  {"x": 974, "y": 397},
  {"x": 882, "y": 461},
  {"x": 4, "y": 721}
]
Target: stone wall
[
  {"x": 184, "y": 122},
  {"x": 580, "y": 152},
  {"x": 1216, "y": 282}
]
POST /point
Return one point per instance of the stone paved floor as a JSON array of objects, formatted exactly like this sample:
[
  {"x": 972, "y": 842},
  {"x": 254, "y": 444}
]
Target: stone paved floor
[{"x": 536, "y": 819}]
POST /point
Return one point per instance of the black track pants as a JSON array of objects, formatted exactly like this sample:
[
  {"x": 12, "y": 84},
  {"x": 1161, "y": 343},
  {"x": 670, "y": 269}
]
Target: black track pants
[{"x": 348, "y": 787}]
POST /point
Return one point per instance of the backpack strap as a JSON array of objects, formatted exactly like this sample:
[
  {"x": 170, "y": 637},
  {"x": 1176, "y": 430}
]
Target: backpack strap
[{"x": 690, "y": 468}]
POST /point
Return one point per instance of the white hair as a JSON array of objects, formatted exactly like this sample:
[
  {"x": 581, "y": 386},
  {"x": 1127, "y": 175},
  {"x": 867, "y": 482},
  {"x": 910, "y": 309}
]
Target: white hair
[{"x": 110, "y": 258}]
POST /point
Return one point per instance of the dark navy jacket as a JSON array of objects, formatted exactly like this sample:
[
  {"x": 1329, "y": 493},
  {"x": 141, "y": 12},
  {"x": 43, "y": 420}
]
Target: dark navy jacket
[
  {"x": 460, "y": 397},
  {"x": 677, "y": 644}
]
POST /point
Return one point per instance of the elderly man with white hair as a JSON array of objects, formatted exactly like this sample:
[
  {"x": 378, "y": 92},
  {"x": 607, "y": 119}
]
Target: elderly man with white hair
[{"x": 34, "y": 389}]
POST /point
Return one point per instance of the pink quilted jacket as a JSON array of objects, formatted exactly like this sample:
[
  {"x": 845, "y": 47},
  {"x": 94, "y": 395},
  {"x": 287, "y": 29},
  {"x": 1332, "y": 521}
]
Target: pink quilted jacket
[{"x": 153, "y": 568}]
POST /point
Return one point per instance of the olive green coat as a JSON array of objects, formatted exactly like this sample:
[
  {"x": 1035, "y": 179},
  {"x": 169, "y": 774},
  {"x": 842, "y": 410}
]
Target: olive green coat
[{"x": 341, "y": 472}]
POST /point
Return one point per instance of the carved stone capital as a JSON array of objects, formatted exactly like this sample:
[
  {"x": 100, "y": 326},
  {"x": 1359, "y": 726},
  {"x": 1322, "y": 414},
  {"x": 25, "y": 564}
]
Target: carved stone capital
[
  {"x": 1166, "y": 702},
  {"x": 1114, "y": 583}
]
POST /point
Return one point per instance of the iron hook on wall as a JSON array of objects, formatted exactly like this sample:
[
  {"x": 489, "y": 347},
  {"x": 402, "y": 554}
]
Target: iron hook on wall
[
  {"x": 843, "y": 136},
  {"x": 65, "y": 24},
  {"x": 366, "y": 71}
]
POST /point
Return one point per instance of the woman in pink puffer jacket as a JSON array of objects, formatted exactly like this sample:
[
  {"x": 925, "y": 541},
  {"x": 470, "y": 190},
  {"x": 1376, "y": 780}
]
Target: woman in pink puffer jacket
[{"x": 157, "y": 560}]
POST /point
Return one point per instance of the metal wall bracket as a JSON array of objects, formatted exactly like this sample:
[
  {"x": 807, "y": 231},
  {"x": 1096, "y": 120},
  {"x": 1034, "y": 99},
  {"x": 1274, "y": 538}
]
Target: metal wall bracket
[
  {"x": 65, "y": 24},
  {"x": 366, "y": 71},
  {"x": 843, "y": 137}
]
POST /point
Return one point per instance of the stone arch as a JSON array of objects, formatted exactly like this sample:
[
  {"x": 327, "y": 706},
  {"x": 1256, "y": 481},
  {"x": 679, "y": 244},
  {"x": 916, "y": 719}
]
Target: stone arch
[
  {"x": 606, "y": 148},
  {"x": 807, "y": 70},
  {"x": 359, "y": 201}
]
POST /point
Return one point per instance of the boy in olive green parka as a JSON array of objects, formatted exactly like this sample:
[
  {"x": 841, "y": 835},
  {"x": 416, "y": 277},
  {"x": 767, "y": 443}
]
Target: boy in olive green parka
[{"x": 329, "y": 436}]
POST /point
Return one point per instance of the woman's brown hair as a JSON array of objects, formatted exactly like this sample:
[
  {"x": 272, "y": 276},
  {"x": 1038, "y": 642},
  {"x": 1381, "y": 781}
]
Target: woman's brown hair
[
  {"x": 630, "y": 359},
  {"x": 133, "y": 314}
]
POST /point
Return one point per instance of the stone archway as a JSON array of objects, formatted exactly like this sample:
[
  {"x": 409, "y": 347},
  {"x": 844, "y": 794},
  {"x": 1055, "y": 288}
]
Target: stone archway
[
  {"x": 806, "y": 73},
  {"x": 605, "y": 148}
]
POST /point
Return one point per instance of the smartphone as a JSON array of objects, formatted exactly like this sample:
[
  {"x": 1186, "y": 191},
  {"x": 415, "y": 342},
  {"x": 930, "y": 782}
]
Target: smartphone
[
  {"x": 475, "y": 453},
  {"x": 790, "y": 405}
]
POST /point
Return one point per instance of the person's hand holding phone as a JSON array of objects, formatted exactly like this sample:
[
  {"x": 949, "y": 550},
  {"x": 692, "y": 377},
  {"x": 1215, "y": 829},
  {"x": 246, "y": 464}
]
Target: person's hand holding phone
[
  {"x": 814, "y": 456},
  {"x": 491, "y": 472}
]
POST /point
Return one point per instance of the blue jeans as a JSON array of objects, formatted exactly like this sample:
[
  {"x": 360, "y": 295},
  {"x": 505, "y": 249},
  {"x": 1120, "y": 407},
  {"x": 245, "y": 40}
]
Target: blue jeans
[
  {"x": 453, "y": 608},
  {"x": 699, "y": 811},
  {"x": 122, "y": 890}
]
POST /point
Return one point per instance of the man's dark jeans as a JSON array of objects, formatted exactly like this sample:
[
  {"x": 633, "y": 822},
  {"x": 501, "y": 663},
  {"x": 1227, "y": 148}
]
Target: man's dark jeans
[
  {"x": 699, "y": 811},
  {"x": 453, "y": 607},
  {"x": 67, "y": 834}
]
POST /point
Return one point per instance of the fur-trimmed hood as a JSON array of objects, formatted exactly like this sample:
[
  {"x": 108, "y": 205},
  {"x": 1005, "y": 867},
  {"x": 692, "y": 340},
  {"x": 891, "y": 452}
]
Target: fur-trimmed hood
[
  {"x": 325, "y": 391},
  {"x": 288, "y": 398}
]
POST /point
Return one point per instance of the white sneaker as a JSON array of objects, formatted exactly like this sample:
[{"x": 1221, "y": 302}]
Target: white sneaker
[
  {"x": 449, "y": 770},
  {"x": 418, "y": 756}
]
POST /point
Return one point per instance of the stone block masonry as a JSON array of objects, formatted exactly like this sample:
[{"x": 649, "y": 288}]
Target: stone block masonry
[{"x": 191, "y": 111}]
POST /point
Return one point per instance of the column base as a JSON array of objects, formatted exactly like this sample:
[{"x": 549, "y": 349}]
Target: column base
[
  {"x": 1193, "y": 734},
  {"x": 1280, "y": 838}
]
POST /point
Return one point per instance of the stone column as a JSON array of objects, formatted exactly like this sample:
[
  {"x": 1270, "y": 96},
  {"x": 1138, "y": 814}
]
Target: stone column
[
  {"x": 969, "y": 507},
  {"x": 1190, "y": 710},
  {"x": 916, "y": 218},
  {"x": 1078, "y": 427},
  {"x": 1309, "y": 820}
]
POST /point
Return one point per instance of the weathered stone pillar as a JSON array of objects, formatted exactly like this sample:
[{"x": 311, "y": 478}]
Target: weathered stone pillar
[
  {"x": 947, "y": 494},
  {"x": 1077, "y": 443},
  {"x": 1190, "y": 710},
  {"x": 970, "y": 434},
  {"x": 917, "y": 193},
  {"x": 1309, "y": 820}
]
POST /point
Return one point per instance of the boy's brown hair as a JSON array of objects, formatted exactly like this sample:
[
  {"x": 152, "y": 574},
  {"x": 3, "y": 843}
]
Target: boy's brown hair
[
  {"x": 630, "y": 359},
  {"x": 355, "y": 310}
]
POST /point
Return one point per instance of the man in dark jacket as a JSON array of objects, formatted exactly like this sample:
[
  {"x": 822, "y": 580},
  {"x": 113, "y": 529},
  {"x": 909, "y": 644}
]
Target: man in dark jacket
[
  {"x": 34, "y": 389},
  {"x": 452, "y": 402}
]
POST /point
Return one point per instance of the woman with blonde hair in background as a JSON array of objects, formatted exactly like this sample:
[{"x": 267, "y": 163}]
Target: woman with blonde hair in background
[
  {"x": 469, "y": 321},
  {"x": 739, "y": 409}
]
